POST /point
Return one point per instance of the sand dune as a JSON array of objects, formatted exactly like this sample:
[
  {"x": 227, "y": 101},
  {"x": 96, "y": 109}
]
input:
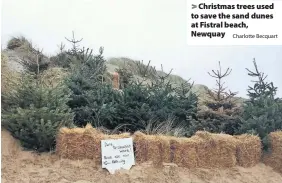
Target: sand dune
[{"x": 27, "y": 167}]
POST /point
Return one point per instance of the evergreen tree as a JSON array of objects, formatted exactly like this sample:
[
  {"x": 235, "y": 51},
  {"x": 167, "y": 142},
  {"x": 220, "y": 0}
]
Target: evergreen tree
[
  {"x": 220, "y": 97},
  {"x": 35, "y": 112},
  {"x": 222, "y": 114},
  {"x": 94, "y": 100},
  {"x": 263, "y": 111},
  {"x": 261, "y": 88},
  {"x": 156, "y": 100},
  {"x": 62, "y": 59},
  {"x": 86, "y": 82}
]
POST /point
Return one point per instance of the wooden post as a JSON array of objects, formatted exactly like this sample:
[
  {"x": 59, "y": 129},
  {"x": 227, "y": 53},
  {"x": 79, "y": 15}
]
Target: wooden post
[{"x": 116, "y": 80}]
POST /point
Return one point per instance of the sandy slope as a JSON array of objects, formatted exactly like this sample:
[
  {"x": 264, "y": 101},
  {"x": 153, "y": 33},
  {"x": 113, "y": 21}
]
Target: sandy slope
[{"x": 21, "y": 166}]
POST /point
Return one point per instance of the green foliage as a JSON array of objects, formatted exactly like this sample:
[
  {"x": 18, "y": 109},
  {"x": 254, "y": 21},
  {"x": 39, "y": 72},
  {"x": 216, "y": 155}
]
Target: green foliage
[
  {"x": 156, "y": 101},
  {"x": 261, "y": 118},
  {"x": 261, "y": 88},
  {"x": 220, "y": 113},
  {"x": 62, "y": 59},
  {"x": 220, "y": 98},
  {"x": 35, "y": 113},
  {"x": 86, "y": 81},
  {"x": 215, "y": 122},
  {"x": 97, "y": 102},
  {"x": 263, "y": 112}
]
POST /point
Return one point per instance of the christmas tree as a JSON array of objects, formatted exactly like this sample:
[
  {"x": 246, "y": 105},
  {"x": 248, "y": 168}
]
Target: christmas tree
[
  {"x": 34, "y": 112},
  {"x": 263, "y": 111}
]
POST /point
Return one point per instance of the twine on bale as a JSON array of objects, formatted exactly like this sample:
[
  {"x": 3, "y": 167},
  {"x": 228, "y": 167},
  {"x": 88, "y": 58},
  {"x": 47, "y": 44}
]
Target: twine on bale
[{"x": 249, "y": 150}]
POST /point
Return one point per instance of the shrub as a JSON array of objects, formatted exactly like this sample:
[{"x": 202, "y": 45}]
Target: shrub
[
  {"x": 215, "y": 122},
  {"x": 35, "y": 113}
]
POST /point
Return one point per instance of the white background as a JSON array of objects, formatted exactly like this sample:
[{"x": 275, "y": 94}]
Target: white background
[{"x": 255, "y": 26}]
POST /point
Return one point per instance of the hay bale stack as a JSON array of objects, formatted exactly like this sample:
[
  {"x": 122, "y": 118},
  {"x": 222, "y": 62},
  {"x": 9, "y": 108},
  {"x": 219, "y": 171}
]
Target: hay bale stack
[
  {"x": 183, "y": 152},
  {"x": 275, "y": 158},
  {"x": 249, "y": 150},
  {"x": 82, "y": 143},
  {"x": 215, "y": 150},
  {"x": 153, "y": 148},
  {"x": 79, "y": 143}
]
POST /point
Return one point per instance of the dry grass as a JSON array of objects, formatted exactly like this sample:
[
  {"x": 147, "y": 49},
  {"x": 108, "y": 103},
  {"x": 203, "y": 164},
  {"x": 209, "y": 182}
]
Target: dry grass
[
  {"x": 167, "y": 128},
  {"x": 20, "y": 43},
  {"x": 9, "y": 79},
  {"x": 53, "y": 76}
]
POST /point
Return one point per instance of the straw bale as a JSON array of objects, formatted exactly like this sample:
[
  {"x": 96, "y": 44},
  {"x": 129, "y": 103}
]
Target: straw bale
[
  {"x": 78, "y": 143},
  {"x": 215, "y": 150},
  {"x": 141, "y": 147},
  {"x": 274, "y": 159},
  {"x": 119, "y": 136},
  {"x": 276, "y": 141},
  {"x": 82, "y": 143},
  {"x": 155, "y": 148},
  {"x": 183, "y": 152},
  {"x": 249, "y": 150}
]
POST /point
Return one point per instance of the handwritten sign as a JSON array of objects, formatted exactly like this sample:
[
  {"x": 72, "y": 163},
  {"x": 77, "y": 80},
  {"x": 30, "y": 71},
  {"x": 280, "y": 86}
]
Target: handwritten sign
[{"x": 117, "y": 154}]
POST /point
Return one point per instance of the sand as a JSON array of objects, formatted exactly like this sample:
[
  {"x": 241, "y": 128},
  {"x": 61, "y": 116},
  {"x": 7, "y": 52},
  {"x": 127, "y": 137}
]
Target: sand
[{"x": 20, "y": 166}]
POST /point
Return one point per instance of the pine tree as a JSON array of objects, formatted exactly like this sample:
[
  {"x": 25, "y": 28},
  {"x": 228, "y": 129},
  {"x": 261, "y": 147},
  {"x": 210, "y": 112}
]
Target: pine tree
[
  {"x": 94, "y": 100},
  {"x": 62, "y": 59},
  {"x": 221, "y": 98},
  {"x": 86, "y": 83},
  {"x": 35, "y": 113},
  {"x": 222, "y": 114},
  {"x": 261, "y": 88},
  {"x": 157, "y": 100},
  {"x": 263, "y": 111}
]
